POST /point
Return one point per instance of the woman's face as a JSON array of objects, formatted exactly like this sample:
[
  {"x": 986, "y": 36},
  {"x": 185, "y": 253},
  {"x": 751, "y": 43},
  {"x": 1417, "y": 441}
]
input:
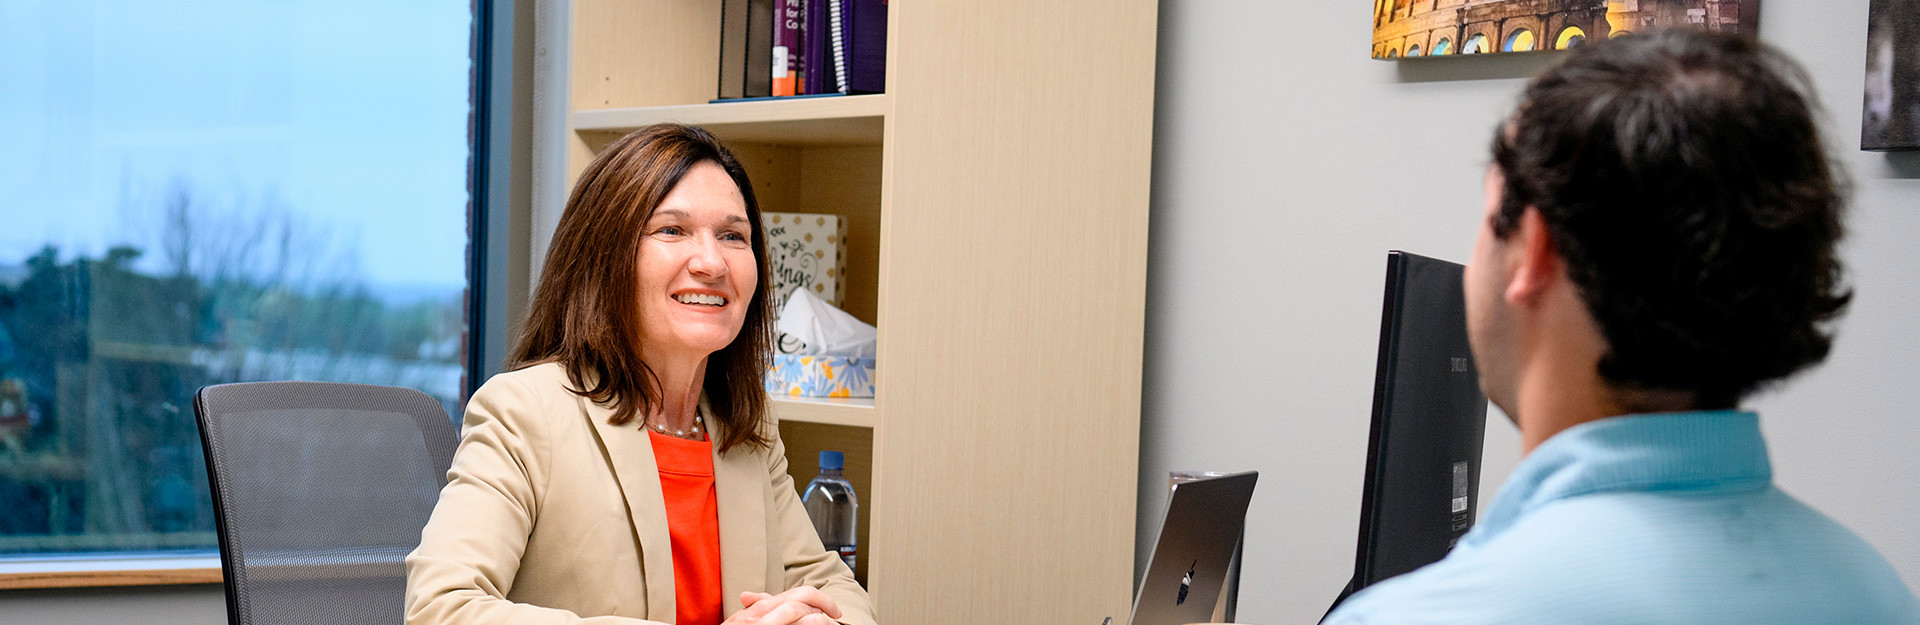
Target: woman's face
[{"x": 697, "y": 270}]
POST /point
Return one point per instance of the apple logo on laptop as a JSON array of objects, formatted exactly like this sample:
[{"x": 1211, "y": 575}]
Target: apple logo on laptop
[{"x": 1186, "y": 582}]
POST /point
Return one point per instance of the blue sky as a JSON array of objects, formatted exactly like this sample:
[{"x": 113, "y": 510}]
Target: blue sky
[{"x": 350, "y": 115}]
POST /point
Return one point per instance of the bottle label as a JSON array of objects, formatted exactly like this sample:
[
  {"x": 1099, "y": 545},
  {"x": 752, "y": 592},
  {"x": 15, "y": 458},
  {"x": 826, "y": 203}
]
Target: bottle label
[{"x": 847, "y": 555}]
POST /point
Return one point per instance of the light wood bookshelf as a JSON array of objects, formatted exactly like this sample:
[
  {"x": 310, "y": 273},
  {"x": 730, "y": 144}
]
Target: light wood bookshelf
[{"x": 997, "y": 204}]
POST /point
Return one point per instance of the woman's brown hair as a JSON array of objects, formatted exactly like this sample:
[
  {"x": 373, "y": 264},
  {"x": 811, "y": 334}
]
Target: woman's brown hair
[{"x": 585, "y": 316}]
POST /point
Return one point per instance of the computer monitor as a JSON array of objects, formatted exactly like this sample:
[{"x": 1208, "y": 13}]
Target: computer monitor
[{"x": 1429, "y": 417}]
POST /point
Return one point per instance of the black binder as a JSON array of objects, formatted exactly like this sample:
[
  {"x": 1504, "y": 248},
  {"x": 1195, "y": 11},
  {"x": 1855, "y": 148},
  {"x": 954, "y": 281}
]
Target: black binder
[{"x": 746, "y": 49}]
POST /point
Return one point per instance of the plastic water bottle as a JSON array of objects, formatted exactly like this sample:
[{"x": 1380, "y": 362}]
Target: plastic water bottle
[{"x": 831, "y": 504}]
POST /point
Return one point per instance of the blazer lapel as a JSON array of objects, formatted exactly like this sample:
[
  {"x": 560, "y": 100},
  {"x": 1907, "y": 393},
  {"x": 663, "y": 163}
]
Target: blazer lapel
[
  {"x": 630, "y": 453},
  {"x": 740, "y": 483}
]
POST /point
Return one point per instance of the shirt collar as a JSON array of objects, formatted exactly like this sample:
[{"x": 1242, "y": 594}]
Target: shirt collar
[{"x": 1704, "y": 451}]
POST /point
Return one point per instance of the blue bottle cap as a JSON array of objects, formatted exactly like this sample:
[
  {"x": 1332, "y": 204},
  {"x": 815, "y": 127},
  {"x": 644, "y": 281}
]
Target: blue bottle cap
[{"x": 832, "y": 461}]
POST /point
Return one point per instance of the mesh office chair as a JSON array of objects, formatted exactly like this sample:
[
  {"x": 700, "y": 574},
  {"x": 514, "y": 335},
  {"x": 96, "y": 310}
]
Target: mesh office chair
[{"x": 320, "y": 491}]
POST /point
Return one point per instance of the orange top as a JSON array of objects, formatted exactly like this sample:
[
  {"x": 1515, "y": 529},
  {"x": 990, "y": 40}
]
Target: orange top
[{"x": 693, "y": 520}]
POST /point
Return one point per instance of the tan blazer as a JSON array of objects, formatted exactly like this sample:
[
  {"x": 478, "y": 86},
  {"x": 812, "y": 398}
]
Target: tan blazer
[{"x": 550, "y": 515}]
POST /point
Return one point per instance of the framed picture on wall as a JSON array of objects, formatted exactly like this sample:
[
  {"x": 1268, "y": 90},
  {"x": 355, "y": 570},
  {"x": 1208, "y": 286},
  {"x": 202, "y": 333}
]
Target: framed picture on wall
[
  {"x": 1891, "y": 120},
  {"x": 1415, "y": 28}
]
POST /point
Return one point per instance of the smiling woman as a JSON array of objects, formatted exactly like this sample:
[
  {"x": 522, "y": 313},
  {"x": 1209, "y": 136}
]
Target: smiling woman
[
  {"x": 699, "y": 266},
  {"x": 642, "y": 194},
  {"x": 654, "y": 306}
]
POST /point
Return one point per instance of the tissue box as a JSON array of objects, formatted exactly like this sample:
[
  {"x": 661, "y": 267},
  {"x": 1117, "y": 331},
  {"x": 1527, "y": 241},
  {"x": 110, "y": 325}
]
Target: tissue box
[
  {"x": 805, "y": 251},
  {"x": 820, "y": 376}
]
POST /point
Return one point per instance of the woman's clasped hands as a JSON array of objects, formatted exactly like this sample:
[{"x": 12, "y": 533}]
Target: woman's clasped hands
[{"x": 804, "y": 605}]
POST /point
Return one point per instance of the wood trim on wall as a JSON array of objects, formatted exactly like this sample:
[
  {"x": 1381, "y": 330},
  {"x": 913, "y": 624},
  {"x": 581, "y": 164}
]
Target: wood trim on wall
[{"x": 99, "y": 573}]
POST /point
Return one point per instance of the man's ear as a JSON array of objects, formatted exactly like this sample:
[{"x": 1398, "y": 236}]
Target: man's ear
[{"x": 1534, "y": 258}]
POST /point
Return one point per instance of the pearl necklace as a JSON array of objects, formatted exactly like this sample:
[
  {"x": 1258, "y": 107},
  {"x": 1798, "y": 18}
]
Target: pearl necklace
[{"x": 692, "y": 433}]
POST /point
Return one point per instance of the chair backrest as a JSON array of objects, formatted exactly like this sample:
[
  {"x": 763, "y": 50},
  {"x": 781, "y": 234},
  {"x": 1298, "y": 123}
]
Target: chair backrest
[{"x": 320, "y": 491}]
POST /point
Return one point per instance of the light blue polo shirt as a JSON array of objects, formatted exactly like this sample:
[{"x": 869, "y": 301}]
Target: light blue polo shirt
[{"x": 1644, "y": 519}]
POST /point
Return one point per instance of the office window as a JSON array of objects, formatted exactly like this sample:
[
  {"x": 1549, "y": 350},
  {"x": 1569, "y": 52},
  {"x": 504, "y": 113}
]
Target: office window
[{"x": 207, "y": 192}]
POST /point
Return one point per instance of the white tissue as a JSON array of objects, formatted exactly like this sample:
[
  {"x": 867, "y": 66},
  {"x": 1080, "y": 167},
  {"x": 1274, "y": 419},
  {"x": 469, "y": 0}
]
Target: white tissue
[{"x": 827, "y": 331}]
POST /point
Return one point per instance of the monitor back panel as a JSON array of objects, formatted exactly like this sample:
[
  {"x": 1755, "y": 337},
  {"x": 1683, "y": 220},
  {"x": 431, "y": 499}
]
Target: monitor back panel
[{"x": 1429, "y": 420}]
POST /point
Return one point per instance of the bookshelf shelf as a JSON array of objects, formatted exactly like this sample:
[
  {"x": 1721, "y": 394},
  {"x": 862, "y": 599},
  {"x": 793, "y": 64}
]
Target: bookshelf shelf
[
  {"x": 857, "y": 413},
  {"x": 838, "y": 120}
]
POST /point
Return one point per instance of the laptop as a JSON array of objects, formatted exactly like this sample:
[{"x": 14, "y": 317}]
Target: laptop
[{"x": 1189, "y": 562}]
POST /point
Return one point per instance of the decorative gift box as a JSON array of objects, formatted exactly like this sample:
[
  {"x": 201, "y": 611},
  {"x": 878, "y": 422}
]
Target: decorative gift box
[
  {"x": 805, "y": 251},
  {"x": 820, "y": 376}
]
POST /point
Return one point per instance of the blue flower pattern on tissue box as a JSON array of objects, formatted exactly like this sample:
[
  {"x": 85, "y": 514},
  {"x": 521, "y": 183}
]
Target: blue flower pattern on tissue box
[{"x": 820, "y": 376}]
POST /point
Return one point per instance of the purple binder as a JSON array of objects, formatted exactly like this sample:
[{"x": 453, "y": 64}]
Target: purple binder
[
  {"x": 815, "y": 73},
  {"x": 865, "y": 27}
]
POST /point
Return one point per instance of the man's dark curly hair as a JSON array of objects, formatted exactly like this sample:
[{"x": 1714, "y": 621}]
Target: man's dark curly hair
[{"x": 1683, "y": 180}]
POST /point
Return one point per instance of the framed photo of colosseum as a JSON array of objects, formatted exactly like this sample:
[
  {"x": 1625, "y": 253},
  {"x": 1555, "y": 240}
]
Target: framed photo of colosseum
[
  {"x": 1891, "y": 120},
  {"x": 1417, "y": 28}
]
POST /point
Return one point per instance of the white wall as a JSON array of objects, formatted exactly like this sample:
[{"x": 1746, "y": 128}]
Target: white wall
[
  {"x": 198, "y": 604},
  {"x": 1286, "y": 164}
]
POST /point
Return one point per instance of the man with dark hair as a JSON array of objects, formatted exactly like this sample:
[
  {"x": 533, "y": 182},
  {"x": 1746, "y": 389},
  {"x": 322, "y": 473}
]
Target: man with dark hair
[{"x": 1658, "y": 244}]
